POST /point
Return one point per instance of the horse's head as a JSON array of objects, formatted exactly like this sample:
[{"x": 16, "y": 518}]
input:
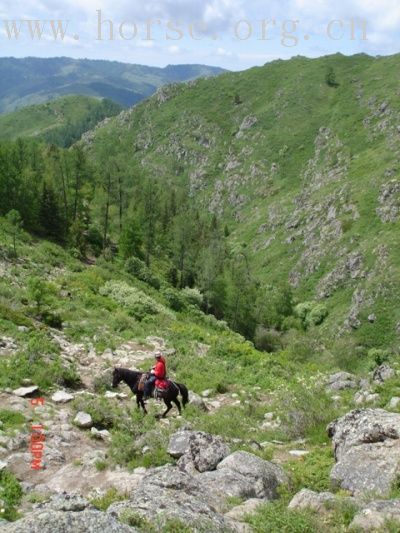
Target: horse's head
[{"x": 116, "y": 378}]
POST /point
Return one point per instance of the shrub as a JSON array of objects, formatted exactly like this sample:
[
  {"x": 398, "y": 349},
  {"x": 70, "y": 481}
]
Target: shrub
[
  {"x": 111, "y": 496},
  {"x": 311, "y": 313},
  {"x": 138, "y": 268},
  {"x": 193, "y": 296},
  {"x": 53, "y": 320},
  {"x": 137, "y": 303},
  {"x": 377, "y": 357},
  {"x": 175, "y": 299},
  {"x": 10, "y": 494},
  {"x": 267, "y": 340},
  {"x": 317, "y": 315}
]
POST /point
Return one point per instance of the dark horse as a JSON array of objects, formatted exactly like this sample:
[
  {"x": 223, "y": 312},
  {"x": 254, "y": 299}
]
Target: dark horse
[{"x": 132, "y": 379}]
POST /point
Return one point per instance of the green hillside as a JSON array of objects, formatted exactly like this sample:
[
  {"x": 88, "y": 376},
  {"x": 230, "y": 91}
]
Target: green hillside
[
  {"x": 60, "y": 122},
  {"x": 299, "y": 159},
  {"x": 32, "y": 80}
]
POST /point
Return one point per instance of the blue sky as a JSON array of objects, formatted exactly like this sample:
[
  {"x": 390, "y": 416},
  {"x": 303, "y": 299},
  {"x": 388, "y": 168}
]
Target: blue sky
[{"x": 235, "y": 34}]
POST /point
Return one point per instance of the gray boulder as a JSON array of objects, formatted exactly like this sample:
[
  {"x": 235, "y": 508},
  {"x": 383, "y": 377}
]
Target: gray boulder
[
  {"x": 319, "y": 502},
  {"x": 25, "y": 391},
  {"x": 367, "y": 450},
  {"x": 374, "y": 515},
  {"x": 383, "y": 373},
  {"x": 197, "y": 450},
  {"x": 167, "y": 493},
  {"x": 83, "y": 420},
  {"x": 65, "y": 514},
  {"x": 341, "y": 381},
  {"x": 244, "y": 475}
]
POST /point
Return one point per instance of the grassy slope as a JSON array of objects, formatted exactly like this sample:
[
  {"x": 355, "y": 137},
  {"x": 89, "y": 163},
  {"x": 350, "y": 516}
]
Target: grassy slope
[
  {"x": 292, "y": 102},
  {"x": 55, "y": 117},
  {"x": 253, "y": 382}
]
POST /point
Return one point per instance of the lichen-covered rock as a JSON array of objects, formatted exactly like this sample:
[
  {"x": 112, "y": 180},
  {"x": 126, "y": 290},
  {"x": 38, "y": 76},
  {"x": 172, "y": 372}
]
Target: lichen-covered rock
[
  {"x": 67, "y": 514},
  {"x": 382, "y": 373},
  {"x": 308, "y": 499},
  {"x": 374, "y": 515},
  {"x": 341, "y": 381},
  {"x": 367, "y": 450},
  {"x": 167, "y": 493},
  {"x": 265, "y": 477},
  {"x": 83, "y": 420},
  {"x": 203, "y": 450}
]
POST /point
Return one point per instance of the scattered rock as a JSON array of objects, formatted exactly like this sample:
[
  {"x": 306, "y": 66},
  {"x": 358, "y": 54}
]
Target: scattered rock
[
  {"x": 240, "y": 511},
  {"x": 83, "y": 420},
  {"x": 364, "y": 396},
  {"x": 298, "y": 453},
  {"x": 308, "y": 499},
  {"x": 207, "y": 393},
  {"x": 394, "y": 402},
  {"x": 62, "y": 397},
  {"x": 25, "y": 391},
  {"x": 341, "y": 381},
  {"x": 383, "y": 373},
  {"x": 201, "y": 450},
  {"x": 103, "y": 434},
  {"x": 197, "y": 401},
  {"x": 375, "y": 514},
  {"x": 367, "y": 450}
]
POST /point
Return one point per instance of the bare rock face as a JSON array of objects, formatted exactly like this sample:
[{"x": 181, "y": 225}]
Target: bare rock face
[
  {"x": 308, "y": 499},
  {"x": 367, "y": 451}
]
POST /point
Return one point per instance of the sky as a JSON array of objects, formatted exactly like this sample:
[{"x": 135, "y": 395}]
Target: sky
[{"x": 234, "y": 34}]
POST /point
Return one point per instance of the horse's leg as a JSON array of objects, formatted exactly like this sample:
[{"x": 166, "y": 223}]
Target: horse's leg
[
  {"x": 169, "y": 406},
  {"x": 178, "y": 404},
  {"x": 140, "y": 402}
]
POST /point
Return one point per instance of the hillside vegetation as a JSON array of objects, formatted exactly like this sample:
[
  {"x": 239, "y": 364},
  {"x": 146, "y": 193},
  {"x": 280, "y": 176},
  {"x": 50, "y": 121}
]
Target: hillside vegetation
[
  {"x": 60, "y": 122},
  {"x": 298, "y": 161}
]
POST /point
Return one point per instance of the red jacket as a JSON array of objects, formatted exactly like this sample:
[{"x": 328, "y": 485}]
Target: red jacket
[{"x": 160, "y": 369}]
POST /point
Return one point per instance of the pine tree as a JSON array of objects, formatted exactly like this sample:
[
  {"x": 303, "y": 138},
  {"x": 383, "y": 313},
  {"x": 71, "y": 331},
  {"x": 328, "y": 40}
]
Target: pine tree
[{"x": 50, "y": 216}]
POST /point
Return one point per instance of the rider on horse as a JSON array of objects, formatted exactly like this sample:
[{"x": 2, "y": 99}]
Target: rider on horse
[{"x": 159, "y": 371}]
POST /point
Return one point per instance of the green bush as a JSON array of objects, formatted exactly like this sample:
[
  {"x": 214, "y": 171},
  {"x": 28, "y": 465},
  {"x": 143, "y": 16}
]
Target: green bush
[
  {"x": 311, "y": 313},
  {"x": 138, "y": 268},
  {"x": 111, "y": 496},
  {"x": 267, "y": 340},
  {"x": 136, "y": 302},
  {"x": 193, "y": 296},
  {"x": 175, "y": 299},
  {"x": 10, "y": 494}
]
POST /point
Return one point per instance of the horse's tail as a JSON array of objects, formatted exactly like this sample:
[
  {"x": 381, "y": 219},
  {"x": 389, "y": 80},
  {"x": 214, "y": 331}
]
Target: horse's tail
[{"x": 184, "y": 393}]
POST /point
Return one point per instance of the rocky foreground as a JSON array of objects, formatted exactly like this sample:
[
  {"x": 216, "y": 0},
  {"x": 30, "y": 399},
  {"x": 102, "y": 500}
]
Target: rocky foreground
[{"x": 208, "y": 485}]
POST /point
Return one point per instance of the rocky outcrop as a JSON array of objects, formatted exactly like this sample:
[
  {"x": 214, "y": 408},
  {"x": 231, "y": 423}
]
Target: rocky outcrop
[
  {"x": 67, "y": 514},
  {"x": 197, "y": 451},
  {"x": 367, "y": 451},
  {"x": 200, "y": 500}
]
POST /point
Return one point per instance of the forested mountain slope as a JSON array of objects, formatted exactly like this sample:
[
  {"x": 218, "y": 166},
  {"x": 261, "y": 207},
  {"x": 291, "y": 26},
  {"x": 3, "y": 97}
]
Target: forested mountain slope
[
  {"x": 299, "y": 160},
  {"x": 33, "y": 80}
]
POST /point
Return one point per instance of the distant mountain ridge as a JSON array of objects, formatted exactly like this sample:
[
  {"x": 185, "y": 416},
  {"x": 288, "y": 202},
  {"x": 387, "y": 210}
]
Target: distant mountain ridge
[{"x": 30, "y": 80}]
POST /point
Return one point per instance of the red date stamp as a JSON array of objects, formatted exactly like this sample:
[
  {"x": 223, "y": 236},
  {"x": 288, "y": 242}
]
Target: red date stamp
[{"x": 37, "y": 440}]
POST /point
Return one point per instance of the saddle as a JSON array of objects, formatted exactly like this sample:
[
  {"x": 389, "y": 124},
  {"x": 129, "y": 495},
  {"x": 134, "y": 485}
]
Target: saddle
[{"x": 142, "y": 381}]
